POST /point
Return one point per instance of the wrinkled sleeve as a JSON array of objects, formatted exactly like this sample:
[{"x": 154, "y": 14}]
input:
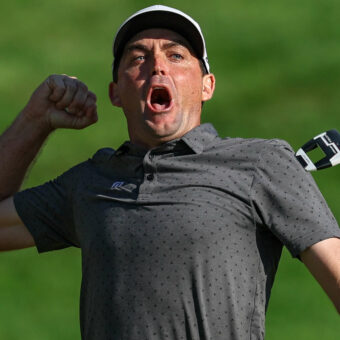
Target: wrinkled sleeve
[
  {"x": 288, "y": 200},
  {"x": 47, "y": 212}
]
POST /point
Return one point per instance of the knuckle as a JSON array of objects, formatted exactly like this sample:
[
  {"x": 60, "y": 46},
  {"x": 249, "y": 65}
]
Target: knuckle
[
  {"x": 89, "y": 103},
  {"x": 69, "y": 80},
  {"x": 66, "y": 76},
  {"x": 72, "y": 85},
  {"x": 50, "y": 79},
  {"x": 52, "y": 76},
  {"x": 92, "y": 96},
  {"x": 82, "y": 86}
]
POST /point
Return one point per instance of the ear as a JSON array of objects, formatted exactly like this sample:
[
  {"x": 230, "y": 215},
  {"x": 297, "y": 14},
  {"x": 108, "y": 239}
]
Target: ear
[
  {"x": 208, "y": 87},
  {"x": 114, "y": 94}
]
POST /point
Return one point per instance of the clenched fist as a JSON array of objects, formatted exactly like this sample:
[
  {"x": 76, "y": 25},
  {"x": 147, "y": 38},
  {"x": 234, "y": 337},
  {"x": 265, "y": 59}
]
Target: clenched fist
[{"x": 62, "y": 101}]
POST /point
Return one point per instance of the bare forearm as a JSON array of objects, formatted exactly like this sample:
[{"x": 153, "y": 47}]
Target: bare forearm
[
  {"x": 19, "y": 145},
  {"x": 323, "y": 261},
  {"x": 59, "y": 102}
]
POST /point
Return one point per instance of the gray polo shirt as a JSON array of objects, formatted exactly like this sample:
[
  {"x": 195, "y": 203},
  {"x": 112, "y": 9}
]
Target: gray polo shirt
[{"x": 181, "y": 241}]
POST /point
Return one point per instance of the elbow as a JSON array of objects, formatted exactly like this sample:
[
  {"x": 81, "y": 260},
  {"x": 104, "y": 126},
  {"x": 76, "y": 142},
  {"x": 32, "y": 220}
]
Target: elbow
[
  {"x": 337, "y": 306},
  {"x": 336, "y": 299},
  {"x": 337, "y": 295}
]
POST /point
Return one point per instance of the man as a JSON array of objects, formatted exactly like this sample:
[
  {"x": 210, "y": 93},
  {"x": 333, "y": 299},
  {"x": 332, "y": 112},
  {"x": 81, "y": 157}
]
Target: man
[{"x": 181, "y": 231}]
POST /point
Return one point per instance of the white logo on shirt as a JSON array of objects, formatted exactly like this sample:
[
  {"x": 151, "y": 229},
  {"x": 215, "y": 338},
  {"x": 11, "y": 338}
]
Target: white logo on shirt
[{"x": 117, "y": 184}]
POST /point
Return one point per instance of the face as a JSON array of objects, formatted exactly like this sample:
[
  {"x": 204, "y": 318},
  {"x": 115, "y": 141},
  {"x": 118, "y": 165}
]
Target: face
[{"x": 160, "y": 87}]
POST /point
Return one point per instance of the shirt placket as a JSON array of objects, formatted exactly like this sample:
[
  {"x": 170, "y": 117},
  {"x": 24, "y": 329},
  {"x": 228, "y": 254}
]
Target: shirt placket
[{"x": 147, "y": 188}]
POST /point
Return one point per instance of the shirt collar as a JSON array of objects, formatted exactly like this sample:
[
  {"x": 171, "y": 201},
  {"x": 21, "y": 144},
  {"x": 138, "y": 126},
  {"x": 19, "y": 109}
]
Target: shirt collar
[
  {"x": 128, "y": 147},
  {"x": 196, "y": 139}
]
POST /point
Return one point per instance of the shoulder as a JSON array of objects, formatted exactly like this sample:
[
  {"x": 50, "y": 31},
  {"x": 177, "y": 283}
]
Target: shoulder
[
  {"x": 251, "y": 143},
  {"x": 255, "y": 149},
  {"x": 83, "y": 169},
  {"x": 255, "y": 143},
  {"x": 276, "y": 159},
  {"x": 270, "y": 150},
  {"x": 102, "y": 155}
]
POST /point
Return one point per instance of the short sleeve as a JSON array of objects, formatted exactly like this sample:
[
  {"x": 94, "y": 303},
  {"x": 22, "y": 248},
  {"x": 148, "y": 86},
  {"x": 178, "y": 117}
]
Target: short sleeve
[
  {"x": 288, "y": 200},
  {"x": 46, "y": 211}
]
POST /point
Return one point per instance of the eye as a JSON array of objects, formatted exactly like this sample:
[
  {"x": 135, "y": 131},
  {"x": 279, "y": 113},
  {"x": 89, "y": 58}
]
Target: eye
[
  {"x": 139, "y": 57},
  {"x": 176, "y": 56}
]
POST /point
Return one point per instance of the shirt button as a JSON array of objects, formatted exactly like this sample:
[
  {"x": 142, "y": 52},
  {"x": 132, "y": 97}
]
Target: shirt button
[{"x": 150, "y": 177}]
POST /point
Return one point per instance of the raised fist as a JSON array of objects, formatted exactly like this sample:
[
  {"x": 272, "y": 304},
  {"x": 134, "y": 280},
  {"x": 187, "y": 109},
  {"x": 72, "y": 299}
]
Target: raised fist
[{"x": 62, "y": 101}]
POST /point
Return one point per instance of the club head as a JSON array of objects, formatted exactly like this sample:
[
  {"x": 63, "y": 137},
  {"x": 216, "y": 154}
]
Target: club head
[{"x": 329, "y": 143}]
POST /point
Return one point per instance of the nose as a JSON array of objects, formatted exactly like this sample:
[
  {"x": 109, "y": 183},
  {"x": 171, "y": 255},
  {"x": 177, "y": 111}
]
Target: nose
[{"x": 159, "y": 66}]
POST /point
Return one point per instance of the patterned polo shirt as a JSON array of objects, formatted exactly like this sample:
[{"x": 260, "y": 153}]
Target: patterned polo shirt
[{"x": 182, "y": 241}]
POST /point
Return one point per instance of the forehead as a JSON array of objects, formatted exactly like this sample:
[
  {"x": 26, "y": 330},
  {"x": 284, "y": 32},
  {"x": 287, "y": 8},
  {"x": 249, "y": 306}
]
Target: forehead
[{"x": 159, "y": 34}]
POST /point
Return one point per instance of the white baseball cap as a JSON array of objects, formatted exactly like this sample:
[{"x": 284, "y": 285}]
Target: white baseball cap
[{"x": 159, "y": 16}]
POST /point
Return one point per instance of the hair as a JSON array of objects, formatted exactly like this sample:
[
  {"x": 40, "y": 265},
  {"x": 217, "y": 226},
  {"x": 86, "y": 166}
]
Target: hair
[{"x": 115, "y": 66}]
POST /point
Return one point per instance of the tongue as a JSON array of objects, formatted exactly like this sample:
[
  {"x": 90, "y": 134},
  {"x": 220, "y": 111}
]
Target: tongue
[
  {"x": 159, "y": 107},
  {"x": 160, "y": 99}
]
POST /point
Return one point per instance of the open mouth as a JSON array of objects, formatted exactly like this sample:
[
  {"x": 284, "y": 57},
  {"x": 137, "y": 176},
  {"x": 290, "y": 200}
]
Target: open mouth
[{"x": 160, "y": 99}]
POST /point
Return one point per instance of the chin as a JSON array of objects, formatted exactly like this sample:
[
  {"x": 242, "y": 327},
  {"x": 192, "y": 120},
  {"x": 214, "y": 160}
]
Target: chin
[{"x": 164, "y": 131}]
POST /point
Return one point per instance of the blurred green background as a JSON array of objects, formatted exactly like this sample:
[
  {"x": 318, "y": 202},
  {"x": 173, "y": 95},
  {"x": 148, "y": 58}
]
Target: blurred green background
[{"x": 277, "y": 65}]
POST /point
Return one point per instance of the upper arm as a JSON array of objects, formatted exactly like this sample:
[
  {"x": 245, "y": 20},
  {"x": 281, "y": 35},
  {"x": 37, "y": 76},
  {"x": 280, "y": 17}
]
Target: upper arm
[
  {"x": 13, "y": 233},
  {"x": 323, "y": 261}
]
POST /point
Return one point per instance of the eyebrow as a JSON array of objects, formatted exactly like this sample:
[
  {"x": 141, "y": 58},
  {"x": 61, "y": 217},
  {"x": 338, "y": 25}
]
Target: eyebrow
[
  {"x": 177, "y": 42},
  {"x": 136, "y": 46}
]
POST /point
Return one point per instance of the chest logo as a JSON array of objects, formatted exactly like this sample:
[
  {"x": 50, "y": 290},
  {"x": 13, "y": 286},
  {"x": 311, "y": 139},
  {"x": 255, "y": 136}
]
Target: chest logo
[{"x": 117, "y": 185}]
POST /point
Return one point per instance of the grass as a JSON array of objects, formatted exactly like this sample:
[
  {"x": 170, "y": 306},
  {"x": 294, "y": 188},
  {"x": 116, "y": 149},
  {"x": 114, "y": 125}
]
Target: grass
[{"x": 277, "y": 65}]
